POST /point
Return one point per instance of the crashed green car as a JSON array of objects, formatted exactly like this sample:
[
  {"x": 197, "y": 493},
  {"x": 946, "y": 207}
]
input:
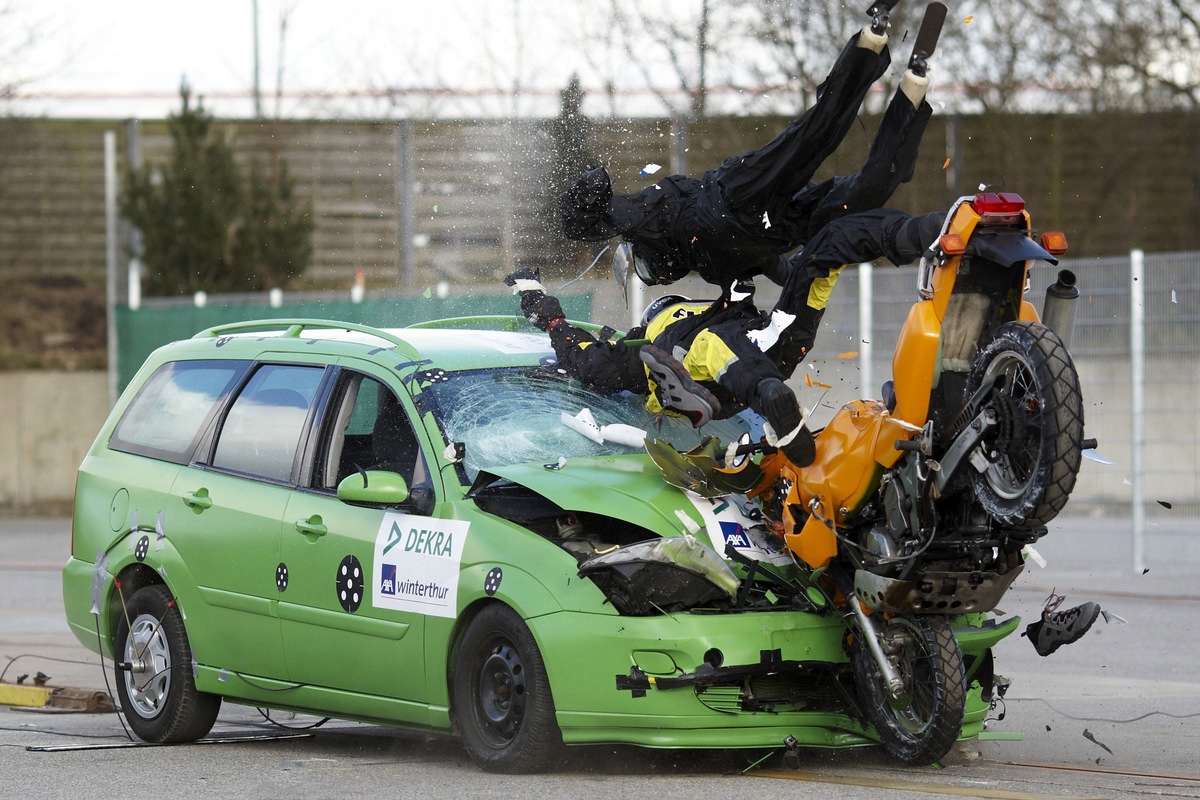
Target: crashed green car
[{"x": 435, "y": 528}]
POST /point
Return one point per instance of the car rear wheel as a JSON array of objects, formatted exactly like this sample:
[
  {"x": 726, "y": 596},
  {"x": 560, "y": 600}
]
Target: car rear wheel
[
  {"x": 502, "y": 703},
  {"x": 154, "y": 674}
]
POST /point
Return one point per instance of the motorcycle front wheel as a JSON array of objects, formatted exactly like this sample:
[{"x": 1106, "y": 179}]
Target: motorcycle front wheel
[
  {"x": 1035, "y": 449},
  {"x": 919, "y": 724}
]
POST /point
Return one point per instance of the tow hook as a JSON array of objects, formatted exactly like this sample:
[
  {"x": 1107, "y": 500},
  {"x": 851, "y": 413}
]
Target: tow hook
[{"x": 791, "y": 751}]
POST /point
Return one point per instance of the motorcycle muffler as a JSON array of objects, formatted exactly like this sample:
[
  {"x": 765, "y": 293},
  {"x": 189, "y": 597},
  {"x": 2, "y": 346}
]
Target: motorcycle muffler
[{"x": 1058, "y": 312}]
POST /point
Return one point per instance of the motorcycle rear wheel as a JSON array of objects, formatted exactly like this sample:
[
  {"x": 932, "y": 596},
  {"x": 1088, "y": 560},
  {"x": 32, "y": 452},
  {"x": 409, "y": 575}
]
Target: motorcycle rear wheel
[
  {"x": 921, "y": 724},
  {"x": 1037, "y": 449}
]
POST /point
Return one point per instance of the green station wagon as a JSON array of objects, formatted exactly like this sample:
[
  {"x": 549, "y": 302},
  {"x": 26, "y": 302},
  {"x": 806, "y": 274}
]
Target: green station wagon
[{"x": 403, "y": 527}]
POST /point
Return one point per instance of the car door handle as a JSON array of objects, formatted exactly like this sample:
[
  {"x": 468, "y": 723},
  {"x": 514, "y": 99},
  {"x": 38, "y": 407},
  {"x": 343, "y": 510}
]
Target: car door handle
[
  {"x": 312, "y": 527},
  {"x": 198, "y": 500}
]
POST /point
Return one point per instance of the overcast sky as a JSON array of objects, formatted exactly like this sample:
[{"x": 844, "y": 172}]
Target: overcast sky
[{"x": 126, "y": 57}]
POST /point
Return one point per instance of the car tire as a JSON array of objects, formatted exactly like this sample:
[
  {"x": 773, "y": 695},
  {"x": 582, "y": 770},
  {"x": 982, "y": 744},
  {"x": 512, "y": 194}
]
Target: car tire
[
  {"x": 502, "y": 704},
  {"x": 155, "y": 684}
]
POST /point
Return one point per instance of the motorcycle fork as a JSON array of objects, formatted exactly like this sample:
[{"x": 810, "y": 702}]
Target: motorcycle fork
[{"x": 865, "y": 626}]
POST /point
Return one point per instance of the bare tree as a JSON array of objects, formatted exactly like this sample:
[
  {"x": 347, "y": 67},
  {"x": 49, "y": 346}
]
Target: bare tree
[
  {"x": 649, "y": 39},
  {"x": 1076, "y": 55},
  {"x": 19, "y": 34},
  {"x": 677, "y": 51},
  {"x": 1145, "y": 56},
  {"x": 799, "y": 42}
]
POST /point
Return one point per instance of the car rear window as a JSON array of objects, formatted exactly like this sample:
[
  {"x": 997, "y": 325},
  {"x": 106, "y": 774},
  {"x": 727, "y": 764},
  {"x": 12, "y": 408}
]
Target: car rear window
[{"x": 170, "y": 412}]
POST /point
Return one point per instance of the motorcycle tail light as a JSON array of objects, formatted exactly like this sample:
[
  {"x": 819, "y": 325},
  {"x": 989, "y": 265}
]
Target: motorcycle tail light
[
  {"x": 952, "y": 244},
  {"x": 1055, "y": 242},
  {"x": 998, "y": 206}
]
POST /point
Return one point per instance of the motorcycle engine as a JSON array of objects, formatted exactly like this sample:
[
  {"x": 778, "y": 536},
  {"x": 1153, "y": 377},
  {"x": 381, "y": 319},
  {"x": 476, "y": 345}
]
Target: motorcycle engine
[{"x": 881, "y": 540}]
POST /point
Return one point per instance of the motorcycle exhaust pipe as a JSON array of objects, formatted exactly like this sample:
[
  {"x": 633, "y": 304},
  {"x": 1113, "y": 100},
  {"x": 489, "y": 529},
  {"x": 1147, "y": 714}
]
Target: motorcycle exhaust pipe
[{"x": 1058, "y": 312}]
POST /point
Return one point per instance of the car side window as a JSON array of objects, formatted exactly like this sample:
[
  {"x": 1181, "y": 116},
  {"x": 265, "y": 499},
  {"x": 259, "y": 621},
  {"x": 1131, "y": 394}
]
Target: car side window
[
  {"x": 262, "y": 430},
  {"x": 172, "y": 410},
  {"x": 369, "y": 429}
]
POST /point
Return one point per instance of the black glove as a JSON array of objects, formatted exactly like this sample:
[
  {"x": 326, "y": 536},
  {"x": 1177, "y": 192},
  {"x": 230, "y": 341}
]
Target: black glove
[
  {"x": 592, "y": 190},
  {"x": 524, "y": 274},
  {"x": 541, "y": 309}
]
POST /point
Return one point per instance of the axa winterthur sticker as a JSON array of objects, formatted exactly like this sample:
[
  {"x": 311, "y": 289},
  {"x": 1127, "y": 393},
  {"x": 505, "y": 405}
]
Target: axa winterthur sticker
[
  {"x": 727, "y": 523},
  {"x": 417, "y": 561}
]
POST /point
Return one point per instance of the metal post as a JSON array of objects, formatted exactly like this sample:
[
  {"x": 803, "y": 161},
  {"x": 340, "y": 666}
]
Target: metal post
[
  {"x": 679, "y": 145},
  {"x": 866, "y": 324},
  {"x": 953, "y": 155},
  {"x": 257, "y": 86},
  {"x": 1137, "y": 404},
  {"x": 508, "y": 239},
  {"x": 404, "y": 201},
  {"x": 637, "y": 300},
  {"x": 133, "y": 160},
  {"x": 110, "y": 259}
]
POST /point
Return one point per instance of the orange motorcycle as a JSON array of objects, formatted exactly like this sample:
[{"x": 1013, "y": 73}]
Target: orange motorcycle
[{"x": 919, "y": 507}]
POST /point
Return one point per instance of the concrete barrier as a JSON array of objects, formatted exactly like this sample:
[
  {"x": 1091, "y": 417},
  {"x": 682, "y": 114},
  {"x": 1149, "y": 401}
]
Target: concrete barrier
[{"x": 48, "y": 421}]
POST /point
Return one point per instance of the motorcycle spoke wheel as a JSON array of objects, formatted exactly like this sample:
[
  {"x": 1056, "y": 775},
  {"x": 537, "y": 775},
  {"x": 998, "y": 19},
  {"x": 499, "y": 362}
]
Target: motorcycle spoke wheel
[
  {"x": 1035, "y": 451},
  {"x": 1016, "y": 465},
  {"x": 919, "y": 724}
]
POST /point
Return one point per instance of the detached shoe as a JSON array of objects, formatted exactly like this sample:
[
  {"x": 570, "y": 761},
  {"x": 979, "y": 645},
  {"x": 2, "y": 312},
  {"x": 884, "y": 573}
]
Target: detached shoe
[
  {"x": 777, "y": 402},
  {"x": 1057, "y": 628},
  {"x": 677, "y": 390}
]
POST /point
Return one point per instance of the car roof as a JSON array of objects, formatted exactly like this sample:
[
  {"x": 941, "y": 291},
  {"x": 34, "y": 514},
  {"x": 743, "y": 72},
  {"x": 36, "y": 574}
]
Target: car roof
[{"x": 454, "y": 344}]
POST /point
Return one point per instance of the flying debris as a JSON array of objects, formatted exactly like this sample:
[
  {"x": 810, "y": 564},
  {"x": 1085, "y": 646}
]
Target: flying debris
[
  {"x": 1088, "y": 735},
  {"x": 1092, "y": 455}
]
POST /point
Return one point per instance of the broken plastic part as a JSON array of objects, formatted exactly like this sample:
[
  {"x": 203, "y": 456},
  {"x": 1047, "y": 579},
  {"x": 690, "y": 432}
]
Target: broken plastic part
[
  {"x": 583, "y": 423},
  {"x": 617, "y": 432},
  {"x": 697, "y": 470},
  {"x": 661, "y": 575},
  {"x": 1033, "y": 555},
  {"x": 1092, "y": 455},
  {"x": 689, "y": 524}
]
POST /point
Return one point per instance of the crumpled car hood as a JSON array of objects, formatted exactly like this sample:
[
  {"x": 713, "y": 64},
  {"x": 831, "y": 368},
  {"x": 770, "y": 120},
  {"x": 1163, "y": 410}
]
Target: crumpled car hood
[{"x": 628, "y": 486}]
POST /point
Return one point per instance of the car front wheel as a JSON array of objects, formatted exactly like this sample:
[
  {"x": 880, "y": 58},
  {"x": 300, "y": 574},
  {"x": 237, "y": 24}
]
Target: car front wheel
[
  {"x": 502, "y": 703},
  {"x": 154, "y": 672}
]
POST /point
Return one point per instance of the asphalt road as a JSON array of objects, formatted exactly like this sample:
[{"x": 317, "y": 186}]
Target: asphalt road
[{"x": 1115, "y": 715}]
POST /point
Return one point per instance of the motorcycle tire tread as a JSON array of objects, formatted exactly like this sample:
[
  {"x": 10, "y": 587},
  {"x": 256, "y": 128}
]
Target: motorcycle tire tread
[
  {"x": 949, "y": 694},
  {"x": 1048, "y": 489}
]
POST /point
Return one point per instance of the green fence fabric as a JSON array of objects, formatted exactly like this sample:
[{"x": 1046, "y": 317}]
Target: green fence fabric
[{"x": 141, "y": 331}]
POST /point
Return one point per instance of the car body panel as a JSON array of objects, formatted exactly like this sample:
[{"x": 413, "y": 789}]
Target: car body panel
[{"x": 260, "y": 568}]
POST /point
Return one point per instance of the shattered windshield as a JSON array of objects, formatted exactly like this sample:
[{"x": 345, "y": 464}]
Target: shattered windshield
[{"x": 513, "y": 416}]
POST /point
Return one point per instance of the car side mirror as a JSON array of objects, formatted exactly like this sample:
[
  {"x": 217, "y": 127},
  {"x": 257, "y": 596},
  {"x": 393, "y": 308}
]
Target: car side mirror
[{"x": 374, "y": 487}]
